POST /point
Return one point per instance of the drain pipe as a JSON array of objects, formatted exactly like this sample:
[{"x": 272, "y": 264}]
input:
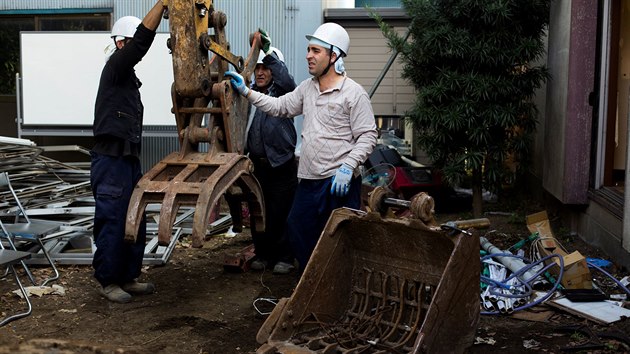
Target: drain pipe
[
  {"x": 387, "y": 66},
  {"x": 18, "y": 100},
  {"x": 513, "y": 264},
  {"x": 625, "y": 235}
]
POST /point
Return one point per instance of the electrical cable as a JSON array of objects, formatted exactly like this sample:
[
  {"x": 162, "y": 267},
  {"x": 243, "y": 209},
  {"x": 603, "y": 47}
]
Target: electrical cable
[
  {"x": 610, "y": 276},
  {"x": 272, "y": 300},
  {"x": 537, "y": 243},
  {"x": 266, "y": 299},
  {"x": 526, "y": 283}
]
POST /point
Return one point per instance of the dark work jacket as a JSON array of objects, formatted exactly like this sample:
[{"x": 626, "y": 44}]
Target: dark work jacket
[
  {"x": 118, "y": 110},
  {"x": 278, "y": 135}
]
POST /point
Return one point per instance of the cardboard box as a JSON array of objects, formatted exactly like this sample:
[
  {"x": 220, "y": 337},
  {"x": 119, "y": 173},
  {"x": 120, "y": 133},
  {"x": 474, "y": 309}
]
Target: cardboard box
[{"x": 576, "y": 273}]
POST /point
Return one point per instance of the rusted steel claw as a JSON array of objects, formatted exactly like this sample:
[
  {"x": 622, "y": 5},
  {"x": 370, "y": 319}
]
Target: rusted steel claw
[
  {"x": 207, "y": 111},
  {"x": 194, "y": 182}
]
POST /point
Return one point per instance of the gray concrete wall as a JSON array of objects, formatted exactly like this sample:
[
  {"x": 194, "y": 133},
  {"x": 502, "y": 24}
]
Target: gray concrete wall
[{"x": 597, "y": 226}]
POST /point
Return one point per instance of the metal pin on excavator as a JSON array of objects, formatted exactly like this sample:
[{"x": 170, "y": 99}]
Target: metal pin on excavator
[{"x": 190, "y": 176}]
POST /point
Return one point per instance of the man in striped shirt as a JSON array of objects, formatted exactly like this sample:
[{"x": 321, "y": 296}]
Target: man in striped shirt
[{"x": 339, "y": 132}]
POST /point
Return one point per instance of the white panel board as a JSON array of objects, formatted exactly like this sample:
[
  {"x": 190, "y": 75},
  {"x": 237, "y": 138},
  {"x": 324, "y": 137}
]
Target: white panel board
[{"x": 61, "y": 71}]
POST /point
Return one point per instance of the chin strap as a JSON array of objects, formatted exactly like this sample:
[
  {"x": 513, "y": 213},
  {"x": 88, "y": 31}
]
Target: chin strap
[{"x": 330, "y": 64}]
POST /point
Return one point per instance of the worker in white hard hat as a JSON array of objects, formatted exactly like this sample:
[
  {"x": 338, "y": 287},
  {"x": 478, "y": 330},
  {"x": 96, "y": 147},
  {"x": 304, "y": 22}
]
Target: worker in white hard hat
[
  {"x": 270, "y": 144},
  {"x": 339, "y": 133},
  {"x": 115, "y": 166}
]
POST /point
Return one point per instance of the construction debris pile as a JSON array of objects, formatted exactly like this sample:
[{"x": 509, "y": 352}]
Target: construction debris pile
[
  {"x": 538, "y": 270},
  {"x": 47, "y": 188},
  {"x": 60, "y": 192},
  {"x": 376, "y": 283},
  {"x": 401, "y": 285}
]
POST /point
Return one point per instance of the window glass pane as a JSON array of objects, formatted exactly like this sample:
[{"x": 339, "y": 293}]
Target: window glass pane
[
  {"x": 64, "y": 23},
  {"x": 10, "y": 54},
  {"x": 10, "y": 27},
  {"x": 377, "y": 3}
]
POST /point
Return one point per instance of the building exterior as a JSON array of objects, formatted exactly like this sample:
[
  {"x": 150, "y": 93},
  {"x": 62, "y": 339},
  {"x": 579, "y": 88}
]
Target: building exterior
[
  {"x": 288, "y": 21},
  {"x": 581, "y": 150},
  {"x": 581, "y": 146}
]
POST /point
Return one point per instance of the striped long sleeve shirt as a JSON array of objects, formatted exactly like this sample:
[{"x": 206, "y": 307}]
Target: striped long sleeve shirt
[{"x": 339, "y": 125}]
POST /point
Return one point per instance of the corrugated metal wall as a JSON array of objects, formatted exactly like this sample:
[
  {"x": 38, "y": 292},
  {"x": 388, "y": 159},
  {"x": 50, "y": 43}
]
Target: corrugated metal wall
[
  {"x": 137, "y": 8},
  {"x": 287, "y": 22},
  {"x": 157, "y": 142},
  {"x": 55, "y": 4}
]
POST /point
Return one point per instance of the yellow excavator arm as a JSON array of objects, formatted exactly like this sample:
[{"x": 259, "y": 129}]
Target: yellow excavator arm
[{"x": 208, "y": 113}]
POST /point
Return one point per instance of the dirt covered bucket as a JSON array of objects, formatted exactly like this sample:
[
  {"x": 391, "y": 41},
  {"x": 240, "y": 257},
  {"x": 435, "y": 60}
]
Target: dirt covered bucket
[{"x": 379, "y": 284}]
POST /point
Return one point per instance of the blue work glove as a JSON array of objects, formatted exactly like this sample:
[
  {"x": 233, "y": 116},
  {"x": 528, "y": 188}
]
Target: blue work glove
[
  {"x": 341, "y": 181},
  {"x": 265, "y": 41},
  {"x": 238, "y": 83}
]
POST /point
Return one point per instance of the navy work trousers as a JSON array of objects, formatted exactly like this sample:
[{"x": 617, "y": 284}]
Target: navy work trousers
[
  {"x": 311, "y": 209},
  {"x": 113, "y": 179},
  {"x": 278, "y": 185}
]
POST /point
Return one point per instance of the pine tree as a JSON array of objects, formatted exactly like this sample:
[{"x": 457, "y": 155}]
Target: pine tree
[{"x": 472, "y": 63}]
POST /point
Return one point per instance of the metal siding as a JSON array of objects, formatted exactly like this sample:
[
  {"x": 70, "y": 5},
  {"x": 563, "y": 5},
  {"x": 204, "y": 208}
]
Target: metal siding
[
  {"x": 137, "y": 8},
  {"x": 156, "y": 147},
  {"x": 54, "y": 4},
  {"x": 286, "y": 21},
  {"x": 367, "y": 57}
]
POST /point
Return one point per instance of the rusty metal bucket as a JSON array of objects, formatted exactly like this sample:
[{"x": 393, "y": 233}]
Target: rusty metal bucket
[{"x": 380, "y": 285}]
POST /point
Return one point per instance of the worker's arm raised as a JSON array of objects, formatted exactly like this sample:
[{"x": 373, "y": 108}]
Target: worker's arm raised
[{"x": 152, "y": 19}]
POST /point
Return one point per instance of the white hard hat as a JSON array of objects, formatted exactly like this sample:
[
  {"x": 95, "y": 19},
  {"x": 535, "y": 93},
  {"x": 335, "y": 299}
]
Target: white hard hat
[
  {"x": 332, "y": 34},
  {"x": 275, "y": 50},
  {"x": 125, "y": 27}
]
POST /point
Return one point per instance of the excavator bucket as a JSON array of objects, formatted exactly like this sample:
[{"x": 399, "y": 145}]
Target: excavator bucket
[
  {"x": 209, "y": 116},
  {"x": 376, "y": 284}
]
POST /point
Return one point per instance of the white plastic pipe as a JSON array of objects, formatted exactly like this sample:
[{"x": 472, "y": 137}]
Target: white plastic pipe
[{"x": 511, "y": 263}]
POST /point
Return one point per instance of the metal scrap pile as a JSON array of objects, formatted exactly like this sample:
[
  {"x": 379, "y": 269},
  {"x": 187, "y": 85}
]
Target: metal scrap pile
[
  {"x": 47, "y": 188},
  {"x": 60, "y": 192}
]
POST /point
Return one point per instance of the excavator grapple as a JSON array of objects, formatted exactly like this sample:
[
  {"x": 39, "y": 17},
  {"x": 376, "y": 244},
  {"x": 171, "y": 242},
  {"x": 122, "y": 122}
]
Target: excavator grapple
[
  {"x": 209, "y": 116},
  {"x": 378, "y": 284}
]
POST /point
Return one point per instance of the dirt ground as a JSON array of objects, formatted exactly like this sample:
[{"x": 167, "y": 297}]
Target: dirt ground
[{"x": 201, "y": 308}]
